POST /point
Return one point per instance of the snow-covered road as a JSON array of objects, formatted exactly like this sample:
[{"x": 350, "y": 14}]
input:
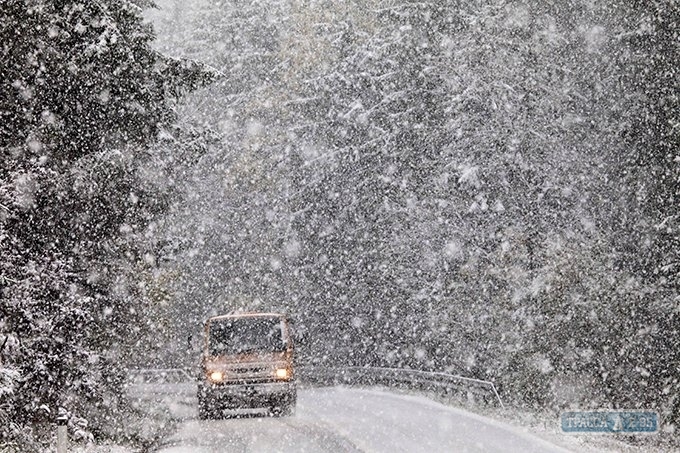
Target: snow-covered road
[{"x": 347, "y": 419}]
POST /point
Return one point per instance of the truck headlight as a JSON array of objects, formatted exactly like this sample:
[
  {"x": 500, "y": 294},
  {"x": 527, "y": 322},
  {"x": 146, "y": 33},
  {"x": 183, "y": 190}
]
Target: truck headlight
[
  {"x": 282, "y": 373},
  {"x": 216, "y": 376}
]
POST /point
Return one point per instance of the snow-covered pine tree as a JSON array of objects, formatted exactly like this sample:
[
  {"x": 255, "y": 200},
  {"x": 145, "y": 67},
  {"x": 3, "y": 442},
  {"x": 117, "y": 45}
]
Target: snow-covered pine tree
[{"x": 82, "y": 95}]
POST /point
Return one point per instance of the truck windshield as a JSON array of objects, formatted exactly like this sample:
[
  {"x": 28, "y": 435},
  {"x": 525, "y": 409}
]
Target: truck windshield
[{"x": 246, "y": 335}]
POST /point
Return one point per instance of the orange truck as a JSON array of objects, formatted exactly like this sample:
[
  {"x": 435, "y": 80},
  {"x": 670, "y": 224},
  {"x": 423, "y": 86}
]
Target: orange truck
[{"x": 247, "y": 363}]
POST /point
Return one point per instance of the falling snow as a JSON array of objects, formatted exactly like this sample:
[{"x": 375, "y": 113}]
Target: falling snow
[{"x": 487, "y": 189}]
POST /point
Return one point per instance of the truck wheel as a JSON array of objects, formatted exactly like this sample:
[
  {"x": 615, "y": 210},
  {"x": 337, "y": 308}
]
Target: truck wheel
[
  {"x": 283, "y": 411},
  {"x": 286, "y": 406},
  {"x": 292, "y": 403},
  {"x": 288, "y": 410},
  {"x": 205, "y": 409}
]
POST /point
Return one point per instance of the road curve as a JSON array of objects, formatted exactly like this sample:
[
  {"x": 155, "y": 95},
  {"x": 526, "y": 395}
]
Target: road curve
[{"x": 356, "y": 420}]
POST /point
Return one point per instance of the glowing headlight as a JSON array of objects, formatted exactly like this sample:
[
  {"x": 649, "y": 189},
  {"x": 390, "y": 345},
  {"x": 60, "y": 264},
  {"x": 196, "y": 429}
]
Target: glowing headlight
[
  {"x": 216, "y": 376},
  {"x": 282, "y": 373}
]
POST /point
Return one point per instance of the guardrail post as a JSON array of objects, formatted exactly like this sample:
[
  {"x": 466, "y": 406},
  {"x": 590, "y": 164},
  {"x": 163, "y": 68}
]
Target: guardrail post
[
  {"x": 497, "y": 396},
  {"x": 62, "y": 433}
]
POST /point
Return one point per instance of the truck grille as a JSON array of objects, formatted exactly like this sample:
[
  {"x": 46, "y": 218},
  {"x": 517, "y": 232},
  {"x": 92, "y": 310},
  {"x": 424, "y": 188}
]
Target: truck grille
[{"x": 249, "y": 374}]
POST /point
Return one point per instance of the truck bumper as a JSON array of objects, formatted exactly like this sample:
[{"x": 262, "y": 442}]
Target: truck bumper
[{"x": 248, "y": 395}]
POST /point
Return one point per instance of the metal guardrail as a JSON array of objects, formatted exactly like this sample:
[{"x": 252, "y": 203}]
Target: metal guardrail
[
  {"x": 414, "y": 379},
  {"x": 154, "y": 383},
  {"x": 473, "y": 389},
  {"x": 158, "y": 376}
]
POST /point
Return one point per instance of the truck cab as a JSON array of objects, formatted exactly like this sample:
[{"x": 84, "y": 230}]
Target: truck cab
[{"x": 247, "y": 363}]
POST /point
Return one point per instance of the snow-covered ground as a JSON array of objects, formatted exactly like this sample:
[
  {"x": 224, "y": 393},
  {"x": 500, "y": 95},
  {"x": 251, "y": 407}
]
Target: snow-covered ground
[{"x": 350, "y": 419}]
